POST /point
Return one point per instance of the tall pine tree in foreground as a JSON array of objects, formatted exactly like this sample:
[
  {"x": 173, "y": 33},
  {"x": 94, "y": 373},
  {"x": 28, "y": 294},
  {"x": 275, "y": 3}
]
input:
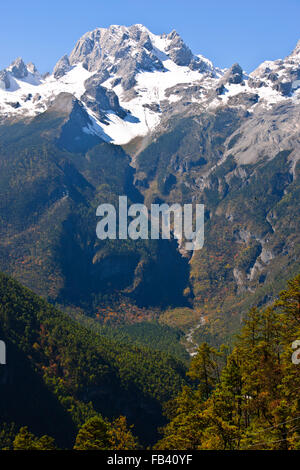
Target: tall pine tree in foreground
[{"x": 255, "y": 404}]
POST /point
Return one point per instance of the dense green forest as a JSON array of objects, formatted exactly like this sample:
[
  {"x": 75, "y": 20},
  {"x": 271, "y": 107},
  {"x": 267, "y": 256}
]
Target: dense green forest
[
  {"x": 151, "y": 334},
  {"x": 60, "y": 373},
  {"x": 67, "y": 386}
]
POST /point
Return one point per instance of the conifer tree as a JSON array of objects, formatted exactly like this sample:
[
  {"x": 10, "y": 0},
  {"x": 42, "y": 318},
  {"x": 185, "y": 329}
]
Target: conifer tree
[{"x": 93, "y": 435}]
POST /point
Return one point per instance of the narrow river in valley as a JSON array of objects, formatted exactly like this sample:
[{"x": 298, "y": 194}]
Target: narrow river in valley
[{"x": 192, "y": 346}]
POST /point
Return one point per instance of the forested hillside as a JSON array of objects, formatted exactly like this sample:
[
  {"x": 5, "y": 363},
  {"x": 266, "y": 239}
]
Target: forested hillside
[
  {"x": 62, "y": 383},
  {"x": 59, "y": 373},
  {"x": 254, "y": 401}
]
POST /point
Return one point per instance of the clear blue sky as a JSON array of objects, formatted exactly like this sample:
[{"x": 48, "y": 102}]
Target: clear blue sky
[{"x": 225, "y": 31}]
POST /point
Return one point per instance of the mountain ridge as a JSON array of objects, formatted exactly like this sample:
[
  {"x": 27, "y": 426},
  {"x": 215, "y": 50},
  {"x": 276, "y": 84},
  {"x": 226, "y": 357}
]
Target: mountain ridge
[{"x": 128, "y": 78}]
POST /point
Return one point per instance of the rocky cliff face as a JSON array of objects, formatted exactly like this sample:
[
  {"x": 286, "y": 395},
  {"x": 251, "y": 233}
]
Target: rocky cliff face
[{"x": 282, "y": 75}]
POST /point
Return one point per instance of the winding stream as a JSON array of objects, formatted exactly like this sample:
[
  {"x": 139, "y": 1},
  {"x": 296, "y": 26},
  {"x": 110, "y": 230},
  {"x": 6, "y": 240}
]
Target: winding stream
[{"x": 192, "y": 346}]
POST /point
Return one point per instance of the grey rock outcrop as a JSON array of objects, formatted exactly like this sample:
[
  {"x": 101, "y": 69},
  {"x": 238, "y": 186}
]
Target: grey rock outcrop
[
  {"x": 31, "y": 68},
  {"x": 266, "y": 133},
  {"x": 101, "y": 100},
  {"x": 4, "y": 80},
  {"x": 244, "y": 99},
  {"x": 62, "y": 67},
  {"x": 284, "y": 88},
  {"x": 77, "y": 130},
  {"x": 284, "y": 75},
  {"x": 220, "y": 90},
  {"x": 178, "y": 51},
  {"x": 19, "y": 69},
  {"x": 234, "y": 75},
  {"x": 255, "y": 83},
  {"x": 296, "y": 51},
  {"x": 273, "y": 77},
  {"x": 14, "y": 104},
  {"x": 182, "y": 55}
]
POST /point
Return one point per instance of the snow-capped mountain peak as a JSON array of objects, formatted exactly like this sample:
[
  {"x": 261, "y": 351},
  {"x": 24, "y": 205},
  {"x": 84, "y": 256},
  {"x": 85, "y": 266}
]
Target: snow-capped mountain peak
[
  {"x": 282, "y": 75},
  {"x": 119, "y": 49},
  {"x": 129, "y": 79},
  {"x": 121, "y": 74},
  {"x": 296, "y": 51},
  {"x": 17, "y": 70}
]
